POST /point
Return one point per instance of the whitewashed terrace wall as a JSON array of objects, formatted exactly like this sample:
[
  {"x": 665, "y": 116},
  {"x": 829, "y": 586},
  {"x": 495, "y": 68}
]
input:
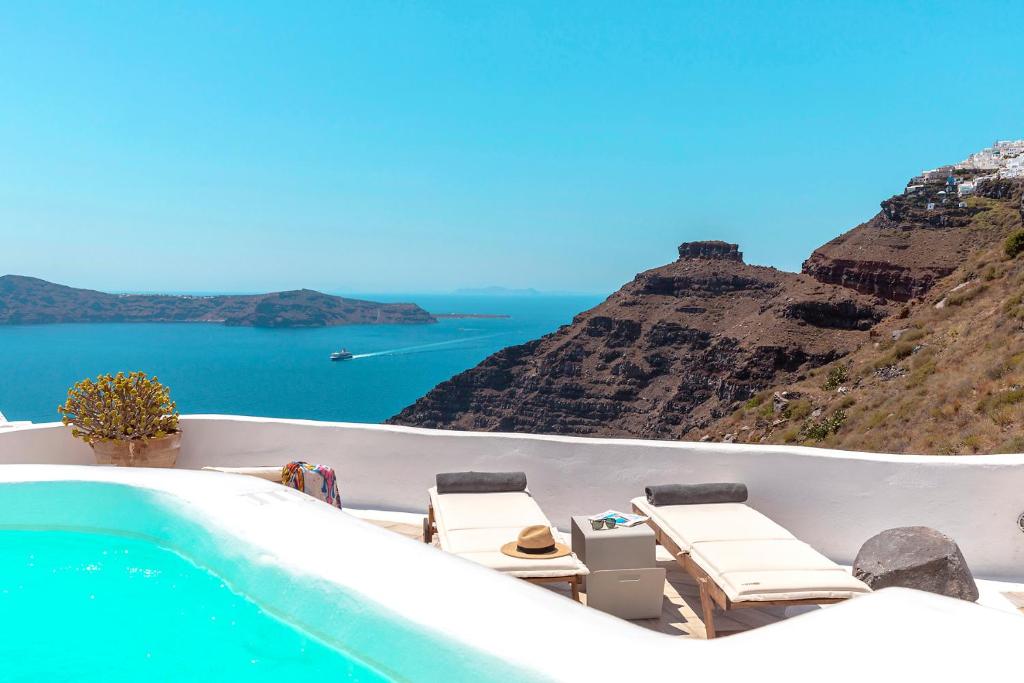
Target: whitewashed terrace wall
[{"x": 834, "y": 500}]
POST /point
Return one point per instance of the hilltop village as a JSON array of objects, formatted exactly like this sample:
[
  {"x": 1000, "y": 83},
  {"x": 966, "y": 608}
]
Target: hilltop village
[{"x": 1003, "y": 160}]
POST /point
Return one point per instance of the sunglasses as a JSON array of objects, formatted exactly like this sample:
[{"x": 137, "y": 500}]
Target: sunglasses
[{"x": 607, "y": 522}]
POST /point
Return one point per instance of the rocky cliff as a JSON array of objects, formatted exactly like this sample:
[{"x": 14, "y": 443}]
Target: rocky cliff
[
  {"x": 28, "y": 300},
  {"x": 679, "y": 351},
  {"x": 669, "y": 352},
  {"x": 944, "y": 376},
  {"x": 916, "y": 239}
]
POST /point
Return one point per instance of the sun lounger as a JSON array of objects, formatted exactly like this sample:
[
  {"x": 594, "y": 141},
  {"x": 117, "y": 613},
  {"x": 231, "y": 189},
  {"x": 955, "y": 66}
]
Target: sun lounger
[
  {"x": 476, "y": 525},
  {"x": 741, "y": 558}
]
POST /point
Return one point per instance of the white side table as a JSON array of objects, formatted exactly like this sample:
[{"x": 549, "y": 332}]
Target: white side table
[{"x": 624, "y": 579}]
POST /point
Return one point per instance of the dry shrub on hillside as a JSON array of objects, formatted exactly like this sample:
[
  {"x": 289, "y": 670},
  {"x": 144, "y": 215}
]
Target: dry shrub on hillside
[{"x": 951, "y": 382}]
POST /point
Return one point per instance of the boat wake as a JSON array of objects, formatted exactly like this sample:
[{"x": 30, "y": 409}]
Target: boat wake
[{"x": 421, "y": 347}]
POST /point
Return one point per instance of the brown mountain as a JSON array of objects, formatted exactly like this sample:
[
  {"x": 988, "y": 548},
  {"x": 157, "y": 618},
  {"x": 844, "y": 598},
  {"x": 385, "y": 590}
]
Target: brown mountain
[
  {"x": 28, "y": 300},
  {"x": 697, "y": 348},
  {"x": 901, "y": 252},
  {"x": 944, "y": 378},
  {"x": 670, "y": 351}
]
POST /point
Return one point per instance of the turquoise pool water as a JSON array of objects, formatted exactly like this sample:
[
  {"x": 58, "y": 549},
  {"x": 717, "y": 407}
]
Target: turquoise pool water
[
  {"x": 95, "y": 607},
  {"x": 103, "y": 581}
]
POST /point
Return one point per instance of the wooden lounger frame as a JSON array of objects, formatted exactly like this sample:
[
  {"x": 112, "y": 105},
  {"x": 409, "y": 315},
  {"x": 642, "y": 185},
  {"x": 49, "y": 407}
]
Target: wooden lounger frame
[
  {"x": 574, "y": 580},
  {"x": 711, "y": 594}
]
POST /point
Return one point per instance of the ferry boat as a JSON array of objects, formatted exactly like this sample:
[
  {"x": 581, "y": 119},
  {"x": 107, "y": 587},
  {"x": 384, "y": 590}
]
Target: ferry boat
[{"x": 344, "y": 354}]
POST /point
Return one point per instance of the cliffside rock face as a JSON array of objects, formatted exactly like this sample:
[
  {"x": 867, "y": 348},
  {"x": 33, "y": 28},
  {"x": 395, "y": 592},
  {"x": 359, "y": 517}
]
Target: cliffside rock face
[
  {"x": 28, "y": 300},
  {"x": 916, "y": 239},
  {"x": 960, "y": 344},
  {"x": 673, "y": 349},
  {"x": 712, "y": 249},
  {"x": 1000, "y": 188},
  {"x": 1006, "y": 190}
]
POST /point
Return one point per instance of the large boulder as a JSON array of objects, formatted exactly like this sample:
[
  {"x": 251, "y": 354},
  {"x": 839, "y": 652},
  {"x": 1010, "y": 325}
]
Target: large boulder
[{"x": 915, "y": 557}]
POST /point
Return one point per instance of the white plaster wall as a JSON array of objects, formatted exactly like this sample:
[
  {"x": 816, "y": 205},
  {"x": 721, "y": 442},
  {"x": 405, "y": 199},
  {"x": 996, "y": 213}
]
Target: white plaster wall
[
  {"x": 42, "y": 443},
  {"x": 833, "y": 500}
]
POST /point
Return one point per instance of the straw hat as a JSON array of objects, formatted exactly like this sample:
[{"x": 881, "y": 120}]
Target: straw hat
[{"x": 534, "y": 543}]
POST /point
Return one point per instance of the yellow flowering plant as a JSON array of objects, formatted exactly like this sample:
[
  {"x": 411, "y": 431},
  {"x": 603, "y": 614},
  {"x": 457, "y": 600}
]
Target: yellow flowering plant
[{"x": 119, "y": 408}]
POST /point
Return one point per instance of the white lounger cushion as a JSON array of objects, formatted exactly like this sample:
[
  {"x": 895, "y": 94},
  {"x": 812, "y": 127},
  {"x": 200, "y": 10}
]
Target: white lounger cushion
[
  {"x": 476, "y": 525},
  {"x": 749, "y": 556},
  {"x": 712, "y": 522},
  {"x": 488, "y": 510},
  {"x": 791, "y": 584},
  {"x": 522, "y": 568}
]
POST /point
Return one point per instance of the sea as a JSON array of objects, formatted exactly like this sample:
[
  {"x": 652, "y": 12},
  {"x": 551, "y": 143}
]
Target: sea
[{"x": 285, "y": 373}]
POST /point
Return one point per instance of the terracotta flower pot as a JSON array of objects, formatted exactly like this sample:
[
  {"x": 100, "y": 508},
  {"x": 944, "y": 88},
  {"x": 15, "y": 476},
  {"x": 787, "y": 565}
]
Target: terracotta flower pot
[{"x": 161, "y": 452}]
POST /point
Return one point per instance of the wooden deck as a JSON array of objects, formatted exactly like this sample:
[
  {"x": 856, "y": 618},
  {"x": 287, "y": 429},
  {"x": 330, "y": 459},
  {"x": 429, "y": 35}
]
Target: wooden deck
[
  {"x": 680, "y": 608},
  {"x": 1016, "y": 599}
]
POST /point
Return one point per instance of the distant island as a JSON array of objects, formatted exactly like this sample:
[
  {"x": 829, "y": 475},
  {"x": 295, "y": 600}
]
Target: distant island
[
  {"x": 31, "y": 301},
  {"x": 496, "y": 291},
  {"x": 472, "y": 316}
]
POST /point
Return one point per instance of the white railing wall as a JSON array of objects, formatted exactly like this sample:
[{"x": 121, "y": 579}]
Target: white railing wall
[{"x": 834, "y": 500}]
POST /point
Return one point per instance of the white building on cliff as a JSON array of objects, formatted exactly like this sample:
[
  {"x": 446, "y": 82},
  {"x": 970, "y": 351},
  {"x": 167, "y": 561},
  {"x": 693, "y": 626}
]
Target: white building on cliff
[{"x": 1005, "y": 158}]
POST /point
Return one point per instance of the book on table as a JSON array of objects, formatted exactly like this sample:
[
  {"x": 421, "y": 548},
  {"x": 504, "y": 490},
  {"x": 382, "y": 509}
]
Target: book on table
[{"x": 621, "y": 518}]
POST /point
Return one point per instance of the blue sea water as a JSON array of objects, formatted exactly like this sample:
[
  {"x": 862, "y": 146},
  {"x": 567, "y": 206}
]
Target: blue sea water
[{"x": 274, "y": 372}]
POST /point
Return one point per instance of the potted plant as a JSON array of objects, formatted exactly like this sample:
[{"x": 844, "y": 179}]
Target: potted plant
[{"x": 129, "y": 420}]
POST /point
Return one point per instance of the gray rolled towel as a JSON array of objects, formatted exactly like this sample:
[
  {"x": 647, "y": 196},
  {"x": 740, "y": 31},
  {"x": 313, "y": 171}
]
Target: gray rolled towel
[
  {"x": 696, "y": 494},
  {"x": 480, "y": 482}
]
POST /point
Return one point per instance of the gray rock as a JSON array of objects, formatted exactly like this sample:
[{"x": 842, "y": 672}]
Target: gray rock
[
  {"x": 915, "y": 557},
  {"x": 890, "y": 372}
]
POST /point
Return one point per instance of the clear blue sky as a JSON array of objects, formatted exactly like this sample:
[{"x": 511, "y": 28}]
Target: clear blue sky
[{"x": 422, "y": 147}]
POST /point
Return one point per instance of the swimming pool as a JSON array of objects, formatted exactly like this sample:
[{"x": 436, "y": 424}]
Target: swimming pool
[
  {"x": 108, "y": 582},
  {"x": 98, "y": 607}
]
